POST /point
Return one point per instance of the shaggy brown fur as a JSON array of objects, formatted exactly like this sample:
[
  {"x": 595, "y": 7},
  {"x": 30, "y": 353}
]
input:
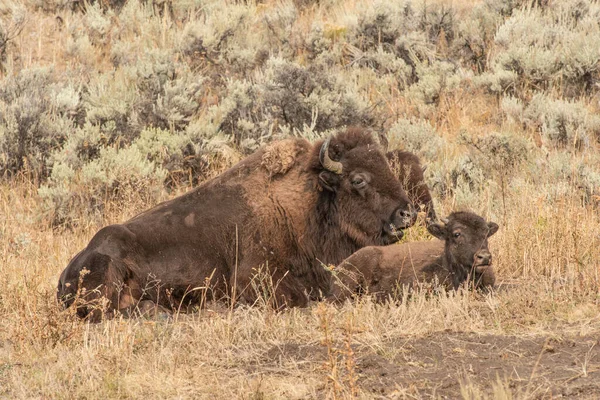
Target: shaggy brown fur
[
  {"x": 407, "y": 167},
  {"x": 279, "y": 208},
  {"x": 460, "y": 253}
]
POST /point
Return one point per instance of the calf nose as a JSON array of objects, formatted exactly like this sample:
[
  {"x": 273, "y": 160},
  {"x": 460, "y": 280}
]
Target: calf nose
[{"x": 483, "y": 258}]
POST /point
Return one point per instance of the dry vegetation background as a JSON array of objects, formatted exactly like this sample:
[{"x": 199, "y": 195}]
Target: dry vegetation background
[{"x": 109, "y": 107}]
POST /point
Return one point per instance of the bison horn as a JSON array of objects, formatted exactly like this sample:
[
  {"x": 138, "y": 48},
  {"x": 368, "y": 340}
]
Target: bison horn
[{"x": 328, "y": 163}]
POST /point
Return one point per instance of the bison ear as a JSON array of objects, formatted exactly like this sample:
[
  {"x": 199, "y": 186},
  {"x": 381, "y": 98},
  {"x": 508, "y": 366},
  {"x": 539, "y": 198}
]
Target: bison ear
[
  {"x": 328, "y": 180},
  {"x": 437, "y": 230},
  {"x": 493, "y": 228}
]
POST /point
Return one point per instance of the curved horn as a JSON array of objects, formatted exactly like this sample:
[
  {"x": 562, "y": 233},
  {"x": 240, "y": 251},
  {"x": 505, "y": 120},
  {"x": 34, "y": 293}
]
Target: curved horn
[
  {"x": 328, "y": 163},
  {"x": 444, "y": 221}
]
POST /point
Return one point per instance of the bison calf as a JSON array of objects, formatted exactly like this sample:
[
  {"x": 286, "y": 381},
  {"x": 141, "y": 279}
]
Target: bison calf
[{"x": 461, "y": 253}]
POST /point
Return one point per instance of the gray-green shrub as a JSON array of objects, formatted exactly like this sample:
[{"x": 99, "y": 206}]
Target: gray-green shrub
[
  {"x": 35, "y": 118},
  {"x": 561, "y": 122}
]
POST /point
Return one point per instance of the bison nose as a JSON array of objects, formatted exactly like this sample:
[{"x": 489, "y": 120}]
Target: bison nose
[
  {"x": 483, "y": 258},
  {"x": 404, "y": 217}
]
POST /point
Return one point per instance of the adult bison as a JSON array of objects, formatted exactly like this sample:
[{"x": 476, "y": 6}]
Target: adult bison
[
  {"x": 407, "y": 167},
  {"x": 461, "y": 253},
  {"x": 285, "y": 209}
]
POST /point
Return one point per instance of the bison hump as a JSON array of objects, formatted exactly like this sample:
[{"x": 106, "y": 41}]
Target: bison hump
[{"x": 279, "y": 157}]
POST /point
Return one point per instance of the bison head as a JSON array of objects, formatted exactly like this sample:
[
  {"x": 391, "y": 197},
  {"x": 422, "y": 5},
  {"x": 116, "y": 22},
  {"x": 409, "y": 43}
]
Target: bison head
[
  {"x": 466, "y": 236},
  {"x": 407, "y": 167},
  {"x": 357, "y": 181}
]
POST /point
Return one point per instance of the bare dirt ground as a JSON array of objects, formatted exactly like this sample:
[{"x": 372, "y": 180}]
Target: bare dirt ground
[{"x": 444, "y": 365}]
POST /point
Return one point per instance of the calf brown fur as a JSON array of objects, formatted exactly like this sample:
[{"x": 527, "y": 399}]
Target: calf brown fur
[{"x": 459, "y": 253}]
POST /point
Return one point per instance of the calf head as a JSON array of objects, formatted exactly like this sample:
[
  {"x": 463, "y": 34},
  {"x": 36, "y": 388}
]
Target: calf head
[
  {"x": 356, "y": 179},
  {"x": 466, "y": 236}
]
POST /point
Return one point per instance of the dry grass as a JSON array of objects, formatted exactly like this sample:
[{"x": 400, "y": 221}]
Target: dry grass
[
  {"x": 553, "y": 272},
  {"x": 547, "y": 256}
]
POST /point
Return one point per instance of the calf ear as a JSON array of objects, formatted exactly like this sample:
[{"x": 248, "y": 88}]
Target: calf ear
[
  {"x": 328, "y": 180},
  {"x": 437, "y": 230},
  {"x": 493, "y": 228}
]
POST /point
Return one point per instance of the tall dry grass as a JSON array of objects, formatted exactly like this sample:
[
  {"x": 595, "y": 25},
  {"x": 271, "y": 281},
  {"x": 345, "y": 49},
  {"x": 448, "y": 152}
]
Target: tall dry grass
[{"x": 546, "y": 253}]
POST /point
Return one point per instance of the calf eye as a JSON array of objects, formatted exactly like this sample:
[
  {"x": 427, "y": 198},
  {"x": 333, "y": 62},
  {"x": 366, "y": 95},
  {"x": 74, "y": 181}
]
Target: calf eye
[{"x": 359, "y": 183}]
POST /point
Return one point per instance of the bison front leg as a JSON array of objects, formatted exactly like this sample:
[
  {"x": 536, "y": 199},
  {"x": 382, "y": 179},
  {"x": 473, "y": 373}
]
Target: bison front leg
[
  {"x": 259, "y": 283},
  {"x": 345, "y": 283},
  {"x": 356, "y": 275},
  {"x": 288, "y": 290}
]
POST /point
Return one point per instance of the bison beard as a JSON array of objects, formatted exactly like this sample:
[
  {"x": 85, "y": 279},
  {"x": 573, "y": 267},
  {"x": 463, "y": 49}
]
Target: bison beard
[{"x": 287, "y": 209}]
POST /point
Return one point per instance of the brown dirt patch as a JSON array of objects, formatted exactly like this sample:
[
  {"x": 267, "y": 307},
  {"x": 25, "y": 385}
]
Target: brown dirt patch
[{"x": 438, "y": 365}]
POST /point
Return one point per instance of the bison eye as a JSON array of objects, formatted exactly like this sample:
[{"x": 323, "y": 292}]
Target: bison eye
[
  {"x": 359, "y": 183},
  {"x": 456, "y": 234}
]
